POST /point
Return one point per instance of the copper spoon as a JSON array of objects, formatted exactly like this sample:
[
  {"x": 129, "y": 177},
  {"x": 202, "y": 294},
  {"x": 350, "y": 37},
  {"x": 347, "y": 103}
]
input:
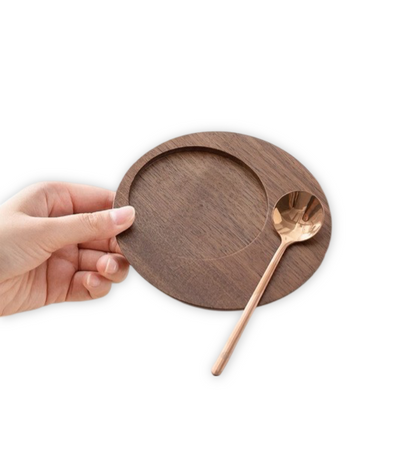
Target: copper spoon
[{"x": 297, "y": 216}]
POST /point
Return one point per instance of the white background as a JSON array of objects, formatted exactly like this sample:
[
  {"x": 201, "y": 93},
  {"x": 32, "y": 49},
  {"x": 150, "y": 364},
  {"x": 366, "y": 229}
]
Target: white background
[{"x": 87, "y": 87}]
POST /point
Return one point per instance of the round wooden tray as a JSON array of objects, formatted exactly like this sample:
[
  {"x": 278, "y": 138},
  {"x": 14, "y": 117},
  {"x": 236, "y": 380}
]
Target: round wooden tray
[{"x": 203, "y": 232}]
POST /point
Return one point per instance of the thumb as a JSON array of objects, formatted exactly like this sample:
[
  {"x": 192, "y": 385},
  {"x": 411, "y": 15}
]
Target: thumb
[{"x": 86, "y": 227}]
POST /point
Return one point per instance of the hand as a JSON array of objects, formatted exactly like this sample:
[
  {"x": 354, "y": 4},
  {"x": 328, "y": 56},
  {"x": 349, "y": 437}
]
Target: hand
[{"x": 54, "y": 247}]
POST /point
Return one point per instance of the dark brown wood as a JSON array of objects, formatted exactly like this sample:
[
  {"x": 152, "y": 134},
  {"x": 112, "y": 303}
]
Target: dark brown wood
[{"x": 203, "y": 232}]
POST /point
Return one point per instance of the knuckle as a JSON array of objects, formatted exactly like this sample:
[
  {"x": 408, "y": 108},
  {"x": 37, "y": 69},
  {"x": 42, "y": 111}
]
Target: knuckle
[
  {"x": 38, "y": 185},
  {"x": 41, "y": 189},
  {"x": 91, "y": 221},
  {"x": 37, "y": 188},
  {"x": 42, "y": 186}
]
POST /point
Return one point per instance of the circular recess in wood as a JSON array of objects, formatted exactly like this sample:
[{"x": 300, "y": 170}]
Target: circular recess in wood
[
  {"x": 203, "y": 232},
  {"x": 194, "y": 184}
]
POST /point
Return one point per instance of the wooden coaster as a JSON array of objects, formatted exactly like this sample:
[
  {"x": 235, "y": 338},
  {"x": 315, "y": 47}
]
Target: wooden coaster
[{"x": 203, "y": 232}]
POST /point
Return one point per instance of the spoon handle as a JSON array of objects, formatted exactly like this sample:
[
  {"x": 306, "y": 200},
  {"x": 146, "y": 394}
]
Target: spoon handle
[{"x": 248, "y": 311}]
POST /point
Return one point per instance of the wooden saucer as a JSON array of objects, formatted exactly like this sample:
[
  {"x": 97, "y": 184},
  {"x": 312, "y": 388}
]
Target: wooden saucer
[{"x": 203, "y": 232}]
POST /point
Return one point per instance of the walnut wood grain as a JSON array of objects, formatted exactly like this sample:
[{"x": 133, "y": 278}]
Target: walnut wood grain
[{"x": 203, "y": 232}]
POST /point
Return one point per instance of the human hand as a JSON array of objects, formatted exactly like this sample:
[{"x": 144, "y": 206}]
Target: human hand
[{"x": 56, "y": 247}]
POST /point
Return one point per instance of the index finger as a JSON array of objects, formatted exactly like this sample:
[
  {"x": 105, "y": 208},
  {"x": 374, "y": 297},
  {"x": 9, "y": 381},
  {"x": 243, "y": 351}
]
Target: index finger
[
  {"x": 87, "y": 198},
  {"x": 55, "y": 199}
]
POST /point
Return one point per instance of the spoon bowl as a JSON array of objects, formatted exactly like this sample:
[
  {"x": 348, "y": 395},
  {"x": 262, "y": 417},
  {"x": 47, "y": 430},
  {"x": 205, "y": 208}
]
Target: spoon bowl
[{"x": 298, "y": 216}]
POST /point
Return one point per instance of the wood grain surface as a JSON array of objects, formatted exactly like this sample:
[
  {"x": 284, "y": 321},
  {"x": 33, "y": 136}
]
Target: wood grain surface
[{"x": 203, "y": 232}]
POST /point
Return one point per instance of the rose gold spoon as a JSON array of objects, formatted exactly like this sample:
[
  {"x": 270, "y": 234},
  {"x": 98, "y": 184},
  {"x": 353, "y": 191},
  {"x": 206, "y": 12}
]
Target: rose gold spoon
[{"x": 297, "y": 216}]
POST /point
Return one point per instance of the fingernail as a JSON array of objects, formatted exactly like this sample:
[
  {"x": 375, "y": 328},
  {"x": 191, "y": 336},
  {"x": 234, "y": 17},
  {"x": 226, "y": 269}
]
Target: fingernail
[
  {"x": 112, "y": 266},
  {"x": 93, "y": 281},
  {"x": 123, "y": 215}
]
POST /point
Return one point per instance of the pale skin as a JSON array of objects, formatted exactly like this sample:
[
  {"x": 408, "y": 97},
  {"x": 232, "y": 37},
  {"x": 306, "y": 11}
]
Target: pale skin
[{"x": 57, "y": 244}]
